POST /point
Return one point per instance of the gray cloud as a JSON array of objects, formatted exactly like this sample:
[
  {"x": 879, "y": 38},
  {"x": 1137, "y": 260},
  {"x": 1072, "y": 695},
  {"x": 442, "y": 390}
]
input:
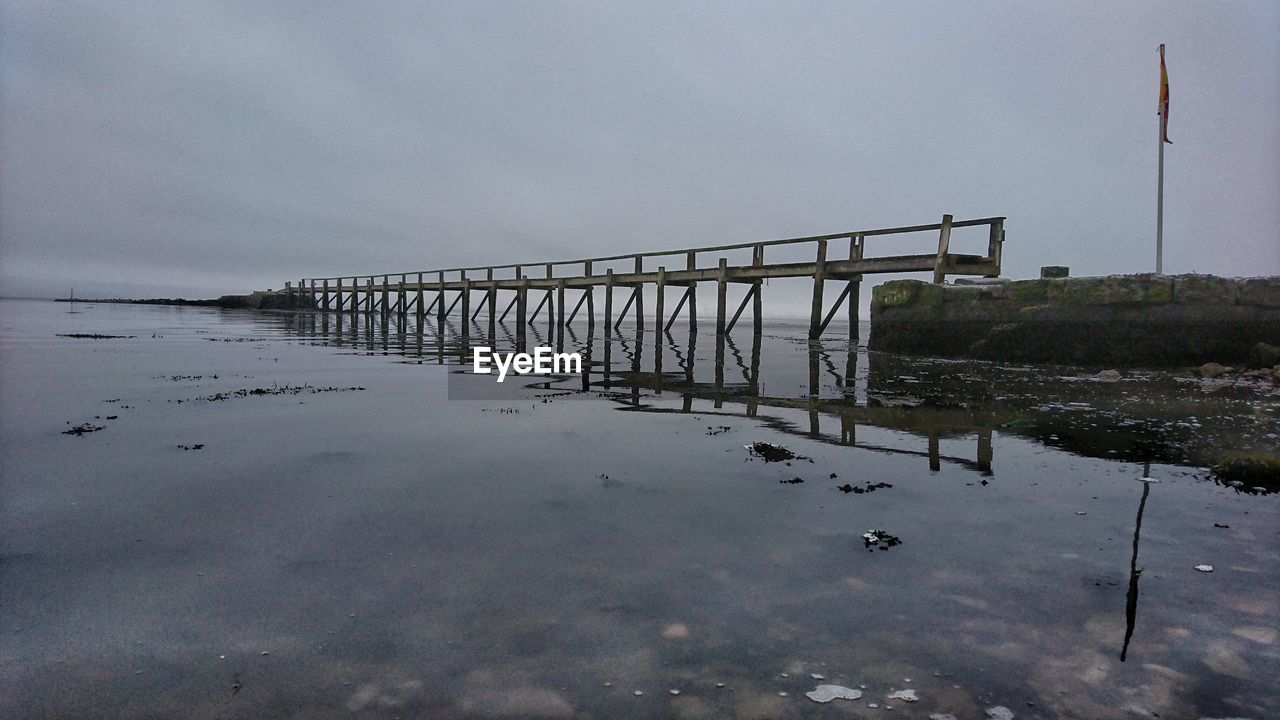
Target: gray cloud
[{"x": 214, "y": 147}]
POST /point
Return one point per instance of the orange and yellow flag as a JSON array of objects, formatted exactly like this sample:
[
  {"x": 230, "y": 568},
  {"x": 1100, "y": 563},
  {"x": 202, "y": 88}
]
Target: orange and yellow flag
[{"x": 1164, "y": 99}]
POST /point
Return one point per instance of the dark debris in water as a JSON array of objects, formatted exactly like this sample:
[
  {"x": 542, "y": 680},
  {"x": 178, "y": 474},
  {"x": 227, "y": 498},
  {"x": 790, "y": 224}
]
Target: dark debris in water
[
  {"x": 718, "y": 429},
  {"x": 275, "y": 390},
  {"x": 873, "y": 539},
  {"x": 83, "y": 429},
  {"x": 96, "y": 336},
  {"x": 792, "y": 481},
  {"x": 772, "y": 453},
  {"x": 197, "y": 446},
  {"x": 869, "y": 487}
]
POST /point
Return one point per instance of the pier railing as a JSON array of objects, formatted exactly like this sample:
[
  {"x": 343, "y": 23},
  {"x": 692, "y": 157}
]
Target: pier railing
[{"x": 401, "y": 293}]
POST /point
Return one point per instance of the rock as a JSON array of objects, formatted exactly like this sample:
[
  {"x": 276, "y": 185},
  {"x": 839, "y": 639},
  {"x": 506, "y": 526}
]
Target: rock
[
  {"x": 999, "y": 712},
  {"x": 942, "y": 716},
  {"x": 1212, "y": 370},
  {"x": 827, "y": 693},
  {"x": 1205, "y": 568},
  {"x": 1264, "y": 356},
  {"x": 1055, "y": 271},
  {"x": 1108, "y": 376},
  {"x": 905, "y": 695}
]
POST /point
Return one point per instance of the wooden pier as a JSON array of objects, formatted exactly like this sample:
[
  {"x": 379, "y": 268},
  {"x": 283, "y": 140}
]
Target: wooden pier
[{"x": 438, "y": 292}]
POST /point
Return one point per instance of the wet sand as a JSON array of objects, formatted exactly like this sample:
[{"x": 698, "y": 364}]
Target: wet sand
[{"x": 388, "y": 551}]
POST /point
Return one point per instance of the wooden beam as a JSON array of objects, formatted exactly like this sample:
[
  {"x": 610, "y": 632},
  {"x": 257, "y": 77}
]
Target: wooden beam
[
  {"x": 742, "y": 306},
  {"x": 683, "y": 298},
  {"x": 574, "y": 314}
]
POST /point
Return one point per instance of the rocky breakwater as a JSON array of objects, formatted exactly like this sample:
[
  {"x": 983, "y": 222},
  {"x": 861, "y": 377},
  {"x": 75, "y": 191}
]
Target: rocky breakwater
[
  {"x": 268, "y": 300},
  {"x": 1114, "y": 321}
]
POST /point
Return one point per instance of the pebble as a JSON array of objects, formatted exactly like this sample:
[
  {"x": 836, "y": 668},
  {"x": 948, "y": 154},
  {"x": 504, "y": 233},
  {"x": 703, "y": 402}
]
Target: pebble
[
  {"x": 782, "y": 694},
  {"x": 999, "y": 712},
  {"x": 674, "y": 691},
  {"x": 638, "y": 693},
  {"x": 1205, "y": 568},
  {"x": 907, "y": 695},
  {"x": 265, "y": 652},
  {"x": 827, "y": 693}
]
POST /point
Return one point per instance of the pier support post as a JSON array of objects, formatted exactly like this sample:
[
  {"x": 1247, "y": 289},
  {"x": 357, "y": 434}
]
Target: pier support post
[
  {"x": 368, "y": 295},
  {"x": 819, "y": 277},
  {"x": 854, "y": 291},
  {"x": 591, "y": 301},
  {"x": 608, "y": 304},
  {"x": 659, "y": 310},
  {"x": 493, "y": 311},
  {"x": 757, "y": 304},
  {"x": 559, "y": 324},
  {"x": 722, "y": 281},
  {"x": 522, "y": 304},
  {"x": 639, "y": 296},
  {"x": 419, "y": 310},
  {"x": 325, "y": 286},
  {"x": 386, "y": 295},
  {"x": 466, "y": 305},
  {"x": 440, "y": 308},
  {"x": 691, "y": 263}
]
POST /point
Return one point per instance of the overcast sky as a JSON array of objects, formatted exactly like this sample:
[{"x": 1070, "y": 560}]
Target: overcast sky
[{"x": 165, "y": 148}]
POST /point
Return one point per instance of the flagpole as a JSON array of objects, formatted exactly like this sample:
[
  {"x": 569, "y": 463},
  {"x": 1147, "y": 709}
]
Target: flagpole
[{"x": 1160, "y": 131}]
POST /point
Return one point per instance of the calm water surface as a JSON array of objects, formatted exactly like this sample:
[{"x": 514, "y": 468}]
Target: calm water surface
[{"x": 388, "y": 551}]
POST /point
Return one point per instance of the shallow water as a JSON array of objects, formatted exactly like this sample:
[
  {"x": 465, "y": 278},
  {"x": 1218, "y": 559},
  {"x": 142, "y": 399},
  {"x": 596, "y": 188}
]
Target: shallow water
[{"x": 397, "y": 553}]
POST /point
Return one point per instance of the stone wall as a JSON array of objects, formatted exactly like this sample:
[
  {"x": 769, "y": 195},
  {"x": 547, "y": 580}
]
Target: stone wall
[{"x": 1120, "y": 320}]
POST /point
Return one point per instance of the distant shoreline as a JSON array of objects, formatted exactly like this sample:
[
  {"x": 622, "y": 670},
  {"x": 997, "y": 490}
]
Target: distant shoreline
[{"x": 147, "y": 301}]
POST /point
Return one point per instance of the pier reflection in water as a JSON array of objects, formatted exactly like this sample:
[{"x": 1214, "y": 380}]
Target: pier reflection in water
[{"x": 833, "y": 383}]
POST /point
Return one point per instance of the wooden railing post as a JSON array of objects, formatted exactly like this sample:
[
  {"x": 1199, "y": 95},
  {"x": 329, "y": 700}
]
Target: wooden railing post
[
  {"x": 995, "y": 245},
  {"x": 944, "y": 242}
]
